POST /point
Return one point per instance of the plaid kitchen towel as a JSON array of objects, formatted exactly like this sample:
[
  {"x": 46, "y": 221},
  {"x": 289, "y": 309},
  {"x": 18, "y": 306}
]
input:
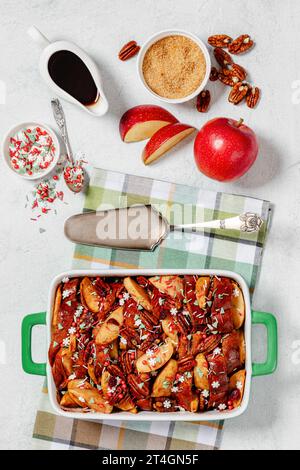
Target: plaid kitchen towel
[{"x": 240, "y": 252}]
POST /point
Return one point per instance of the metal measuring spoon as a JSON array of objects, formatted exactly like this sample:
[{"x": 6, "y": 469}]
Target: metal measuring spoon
[{"x": 73, "y": 172}]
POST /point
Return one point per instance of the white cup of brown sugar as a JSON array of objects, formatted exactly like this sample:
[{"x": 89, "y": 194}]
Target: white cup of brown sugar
[{"x": 174, "y": 65}]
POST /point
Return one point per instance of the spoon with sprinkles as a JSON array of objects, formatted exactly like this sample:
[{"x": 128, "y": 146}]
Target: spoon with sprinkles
[{"x": 73, "y": 172}]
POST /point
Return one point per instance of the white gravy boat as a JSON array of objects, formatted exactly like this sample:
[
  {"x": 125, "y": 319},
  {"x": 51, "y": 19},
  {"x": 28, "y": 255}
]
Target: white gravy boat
[{"x": 97, "y": 108}]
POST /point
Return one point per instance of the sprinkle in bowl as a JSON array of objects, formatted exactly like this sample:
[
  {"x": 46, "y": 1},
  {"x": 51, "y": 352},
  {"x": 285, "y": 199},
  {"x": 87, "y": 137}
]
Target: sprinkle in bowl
[{"x": 31, "y": 150}]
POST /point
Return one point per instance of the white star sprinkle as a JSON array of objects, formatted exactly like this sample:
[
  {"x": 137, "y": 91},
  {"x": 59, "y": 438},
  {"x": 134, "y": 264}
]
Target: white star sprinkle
[
  {"x": 72, "y": 330},
  {"x": 149, "y": 352},
  {"x": 222, "y": 406},
  {"x": 65, "y": 279},
  {"x": 167, "y": 404},
  {"x": 126, "y": 296},
  {"x": 66, "y": 342},
  {"x": 205, "y": 393},
  {"x": 66, "y": 293},
  {"x": 174, "y": 389},
  {"x": 217, "y": 351},
  {"x": 173, "y": 311},
  {"x": 215, "y": 384}
]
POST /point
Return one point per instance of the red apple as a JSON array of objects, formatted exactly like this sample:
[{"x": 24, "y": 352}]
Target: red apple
[
  {"x": 141, "y": 122},
  {"x": 225, "y": 149},
  {"x": 164, "y": 139}
]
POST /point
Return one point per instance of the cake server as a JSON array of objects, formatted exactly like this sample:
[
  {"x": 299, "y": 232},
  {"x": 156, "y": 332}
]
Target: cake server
[{"x": 142, "y": 227}]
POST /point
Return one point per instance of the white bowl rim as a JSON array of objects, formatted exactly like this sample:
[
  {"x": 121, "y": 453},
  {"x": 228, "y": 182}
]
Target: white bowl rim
[
  {"x": 25, "y": 124},
  {"x": 160, "y": 35}
]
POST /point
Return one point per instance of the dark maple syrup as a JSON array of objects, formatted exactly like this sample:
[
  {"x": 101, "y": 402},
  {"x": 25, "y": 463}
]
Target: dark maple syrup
[{"x": 71, "y": 74}]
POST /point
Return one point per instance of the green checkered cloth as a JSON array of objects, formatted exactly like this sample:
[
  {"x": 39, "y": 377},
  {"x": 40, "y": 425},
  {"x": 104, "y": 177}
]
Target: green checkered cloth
[{"x": 232, "y": 250}]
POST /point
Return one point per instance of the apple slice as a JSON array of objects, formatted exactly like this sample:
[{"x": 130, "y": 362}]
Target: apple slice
[
  {"x": 141, "y": 122},
  {"x": 164, "y": 139}
]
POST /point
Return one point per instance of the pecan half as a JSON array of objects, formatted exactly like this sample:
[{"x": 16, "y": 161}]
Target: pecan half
[
  {"x": 219, "y": 40},
  {"x": 139, "y": 388},
  {"x": 184, "y": 323},
  {"x": 238, "y": 93},
  {"x": 127, "y": 359},
  {"x": 183, "y": 346},
  {"x": 233, "y": 74},
  {"x": 115, "y": 371},
  {"x": 222, "y": 57},
  {"x": 238, "y": 71},
  {"x": 145, "y": 404},
  {"x": 226, "y": 77},
  {"x": 147, "y": 319},
  {"x": 164, "y": 404},
  {"x": 186, "y": 364},
  {"x": 203, "y": 100},
  {"x": 252, "y": 97},
  {"x": 129, "y": 50},
  {"x": 241, "y": 44},
  {"x": 131, "y": 337},
  {"x": 214, "y": 74},
  {"x": 205, "y": 345}
]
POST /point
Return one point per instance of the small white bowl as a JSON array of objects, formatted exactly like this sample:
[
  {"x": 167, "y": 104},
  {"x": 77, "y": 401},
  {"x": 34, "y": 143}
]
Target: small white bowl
[
  {"x": 173, "y": 32},
  {"x": 25, "y": 125}
]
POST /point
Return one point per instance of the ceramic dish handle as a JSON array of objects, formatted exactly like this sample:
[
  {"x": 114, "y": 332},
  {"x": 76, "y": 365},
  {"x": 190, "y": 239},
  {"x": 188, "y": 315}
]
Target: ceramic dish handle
[
  {"x": 270, "y": 323},
  {"x": 27, "y": 363}
]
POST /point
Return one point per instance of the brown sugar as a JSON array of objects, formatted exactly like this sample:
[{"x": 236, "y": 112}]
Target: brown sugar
[{"x": 174, "y": 67}]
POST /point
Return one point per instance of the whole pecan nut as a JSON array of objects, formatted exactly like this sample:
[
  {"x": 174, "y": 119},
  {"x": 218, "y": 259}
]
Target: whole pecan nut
[
  {"x": 222, "y": 57},
  {"x": 219, "y": 40},
  {"x": 203, "y": 100},
  {"x": 252, "y": 97},
  {"x": 241, "y": 44},
  {"x": 129, "y": 50},
  {"x": 238, "y": 93}
]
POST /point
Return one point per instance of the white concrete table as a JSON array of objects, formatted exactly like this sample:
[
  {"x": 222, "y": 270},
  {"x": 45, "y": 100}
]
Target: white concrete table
[{"x": 29, "y": 259}]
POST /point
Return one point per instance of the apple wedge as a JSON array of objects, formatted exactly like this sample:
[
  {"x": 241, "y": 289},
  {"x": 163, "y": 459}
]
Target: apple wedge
[
  {"x": 164, "y": 139},
  {"x": 141, "y": 122}
]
